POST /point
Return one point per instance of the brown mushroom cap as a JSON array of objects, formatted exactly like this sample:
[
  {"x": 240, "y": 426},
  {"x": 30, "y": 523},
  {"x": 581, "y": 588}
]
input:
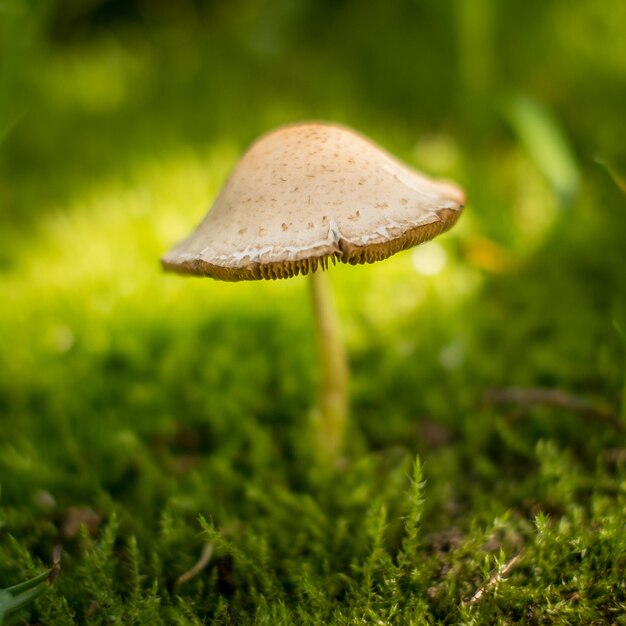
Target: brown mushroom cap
[{"x": 304, "y": 194}]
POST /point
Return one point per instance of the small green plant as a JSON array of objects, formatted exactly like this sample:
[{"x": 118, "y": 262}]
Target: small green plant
[
  {"x": 22, "y": 594},
  {"x": 621, "y": 331}
]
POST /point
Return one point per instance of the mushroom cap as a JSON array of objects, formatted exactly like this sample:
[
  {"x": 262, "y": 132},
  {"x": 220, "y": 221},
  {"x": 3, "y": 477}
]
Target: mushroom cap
[{"x": 306, "y": 194}]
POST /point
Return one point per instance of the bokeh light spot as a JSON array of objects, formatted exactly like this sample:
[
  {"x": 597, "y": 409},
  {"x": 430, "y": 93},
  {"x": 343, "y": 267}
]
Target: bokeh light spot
[{"x": 429, "y": 260}]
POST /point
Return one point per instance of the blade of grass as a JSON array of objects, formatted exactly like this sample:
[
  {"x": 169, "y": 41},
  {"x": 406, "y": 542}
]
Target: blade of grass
[
  {"x": 621, "y": 331},
  {"x": 18, "y": 596},
  {"x": 542, "y": 136},
  {"x": 618, "y": 178}
]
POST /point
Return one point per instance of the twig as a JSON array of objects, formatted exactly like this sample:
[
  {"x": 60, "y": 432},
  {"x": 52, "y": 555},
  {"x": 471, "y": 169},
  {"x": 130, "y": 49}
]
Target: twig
[
  {"x": 529, "y": 396},
  {"x": 55, "y": 568},
  {"x": 203, "y": 561},
  {"x": 494, "y": 579}
]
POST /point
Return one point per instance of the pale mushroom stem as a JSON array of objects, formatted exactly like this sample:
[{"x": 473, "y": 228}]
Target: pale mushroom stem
[{"x": 332, "y": 410}]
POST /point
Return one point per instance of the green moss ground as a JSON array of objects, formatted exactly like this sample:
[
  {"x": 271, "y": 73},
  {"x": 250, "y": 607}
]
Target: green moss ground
[{"x": 172, "y": 414}]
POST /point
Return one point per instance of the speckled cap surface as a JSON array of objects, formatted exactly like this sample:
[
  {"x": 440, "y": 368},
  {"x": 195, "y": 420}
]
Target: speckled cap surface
[{"x": 309, "y": 193}]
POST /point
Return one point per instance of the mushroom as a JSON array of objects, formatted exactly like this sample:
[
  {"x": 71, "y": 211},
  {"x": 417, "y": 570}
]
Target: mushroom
[{"x": 302, "y": 196}]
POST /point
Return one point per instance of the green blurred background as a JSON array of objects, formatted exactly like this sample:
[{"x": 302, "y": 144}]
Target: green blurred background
[{"x": 134, "y": 392}]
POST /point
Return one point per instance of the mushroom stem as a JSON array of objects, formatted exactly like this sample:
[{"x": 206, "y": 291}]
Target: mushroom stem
[{"x": 332, "y": 410}]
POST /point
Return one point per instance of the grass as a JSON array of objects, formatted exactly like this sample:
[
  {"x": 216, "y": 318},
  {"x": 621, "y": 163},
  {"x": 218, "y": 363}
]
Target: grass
[{"x": 146, "y": 420}]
